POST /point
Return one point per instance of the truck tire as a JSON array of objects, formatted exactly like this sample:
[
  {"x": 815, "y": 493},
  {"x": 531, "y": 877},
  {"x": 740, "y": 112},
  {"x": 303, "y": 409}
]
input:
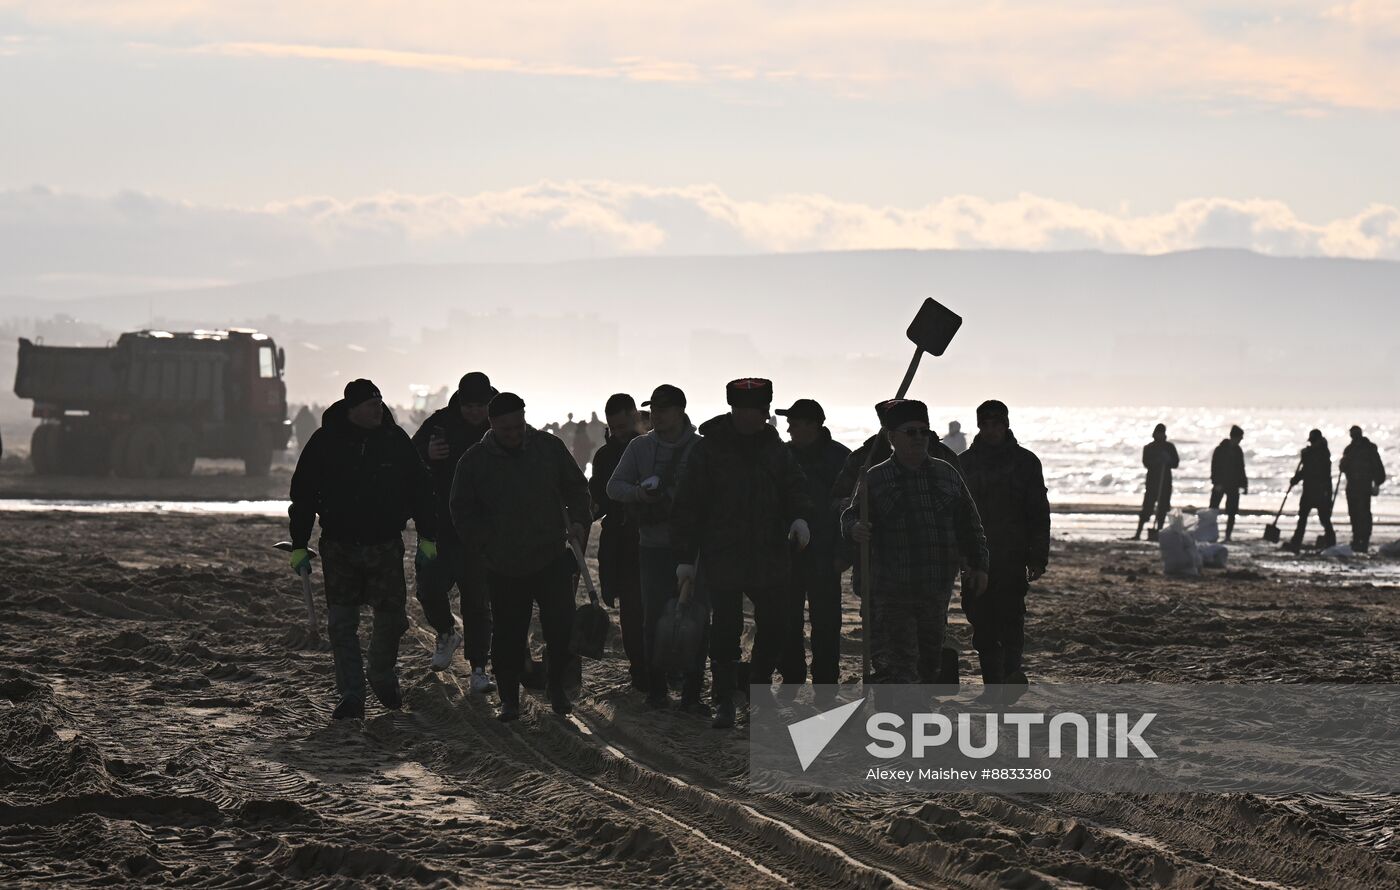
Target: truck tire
[
  {"x": 145, "y": 452},
  {"x": 257, "y": 454},
  {"x": 179, "y": 451},
  {"x": 44, "y": 449},
  {"x": 89, "y": 453}
]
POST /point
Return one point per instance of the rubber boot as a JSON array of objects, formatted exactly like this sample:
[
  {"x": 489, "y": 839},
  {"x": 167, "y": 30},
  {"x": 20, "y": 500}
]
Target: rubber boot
[
  {"x": 559, "y": 699},
  {"x": 349, "y": 709},
  {"x": 510, "y": 700}
]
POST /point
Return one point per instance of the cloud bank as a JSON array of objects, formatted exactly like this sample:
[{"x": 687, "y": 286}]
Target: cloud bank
[{"x": 57, "y": 243}]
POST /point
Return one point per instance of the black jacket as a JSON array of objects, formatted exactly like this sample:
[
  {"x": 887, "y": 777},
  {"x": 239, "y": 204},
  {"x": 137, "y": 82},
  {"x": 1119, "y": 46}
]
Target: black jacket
[
  {"x": 1315, "y": 473},
  {"x": 605, "y": 462},
  {"x": 735, "y": 504},
  {"x": 1159, "y": 457},
  {"x": 508, "y": 504},
  {"x": 1361, "y": 461},
  {"x": 460, "y": 436},
  {"x": 821, "y": 463},
  {"x": 1227, "y": 466},
  {"x": 363, "y": 484},
  {"x": 1008, "y": 485}
]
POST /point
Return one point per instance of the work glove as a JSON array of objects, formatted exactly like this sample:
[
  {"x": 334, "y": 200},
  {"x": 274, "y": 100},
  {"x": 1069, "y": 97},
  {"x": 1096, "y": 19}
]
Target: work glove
[
  {"x": 800, "y": 533},
  {"x": 427, "y": 552},
  {"x": 301, "y": 559}
]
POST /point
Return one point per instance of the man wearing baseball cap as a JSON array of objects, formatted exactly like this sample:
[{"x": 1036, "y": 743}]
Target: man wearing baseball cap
[
  {"x": 361, "y": 476},
  {"x": 923, "y": 528},
  {"x": 741, "y": 508},
  {"x": 441, "y": 441},
  {"x": 816, "y": 583}
]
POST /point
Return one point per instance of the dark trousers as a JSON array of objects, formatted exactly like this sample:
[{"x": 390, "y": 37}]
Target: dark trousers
[
  {"x": 454, "y": 567},
  {"x": 906, "y": 635},
  {"x": 1231, "y": 497},
  {"x": 1162, "y": 504},
  {"x": 1359, "y": 508},
  {"x": 1323, "y": 506},
  {"x": 998, "y": 619},
  {"x": 658, "y": 588},
  {"x": 513, "y": 598},
  {"x": 620, "y": 580},
  {"x": 815, "y": 590},
  {"x": 358, "y": 575},
  {"x": 726, "y": 631}
]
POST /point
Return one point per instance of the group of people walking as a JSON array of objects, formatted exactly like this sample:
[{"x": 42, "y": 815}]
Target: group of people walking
[
  {"x": 1360, "y": 464},
  {"x": 709, "y": 516}
]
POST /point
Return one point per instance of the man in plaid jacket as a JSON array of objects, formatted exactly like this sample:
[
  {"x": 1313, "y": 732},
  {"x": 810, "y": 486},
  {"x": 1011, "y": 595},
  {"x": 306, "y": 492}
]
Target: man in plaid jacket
[{"x": 923, "y": 531}]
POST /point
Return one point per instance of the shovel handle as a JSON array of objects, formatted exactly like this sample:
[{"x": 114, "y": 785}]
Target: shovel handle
[{"x": 579, "y": 557}]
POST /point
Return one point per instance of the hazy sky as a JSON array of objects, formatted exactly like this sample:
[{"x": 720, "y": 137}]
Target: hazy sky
[{"x": 265, "y": 136}]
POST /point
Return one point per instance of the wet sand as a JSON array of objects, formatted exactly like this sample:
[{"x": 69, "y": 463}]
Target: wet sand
[{"x": 164, "y": 720}]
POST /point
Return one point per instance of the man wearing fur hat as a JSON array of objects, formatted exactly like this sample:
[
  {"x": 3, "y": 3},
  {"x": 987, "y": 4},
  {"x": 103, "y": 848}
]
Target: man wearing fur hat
[
  {"x": 741, "y": 508},
  {"x": 923, "y": 528},
  {"x": 360, "y": 475}
]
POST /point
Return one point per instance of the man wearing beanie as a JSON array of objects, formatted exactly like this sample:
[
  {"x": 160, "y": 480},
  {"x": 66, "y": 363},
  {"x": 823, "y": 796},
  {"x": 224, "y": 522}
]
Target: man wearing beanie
[
  {"x": 1008, "y": 487},
  {"x": 1160, "y": 458},
  {"x": 1315, "y": 472},
  {"x": 740, "y": 510},
  {"x": 441, "y": 441},
  {"x": 361, "y": 476},
  {"x": 923, "y": 528},
  {"x": 508, "y": 502},
  {"x": 619, "y": 561}
]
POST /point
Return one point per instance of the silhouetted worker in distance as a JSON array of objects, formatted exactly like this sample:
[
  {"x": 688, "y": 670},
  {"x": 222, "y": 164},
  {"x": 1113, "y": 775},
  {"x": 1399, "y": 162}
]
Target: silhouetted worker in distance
[
  {"x": 1315, "y": 472},
  {"x": 923, "y": 529},
  {"x": 956, "y": 438},
  {"x": 1160, "y": 458},
  {"x": 304, "y": 424},
  {"x": 360, "y": 474},
  {"x": 1227, "y": 477},
  {"x": 816, "y": 581},
  {"x": 441, "y": 441},
  {"x": 1361, "y": 462},
  {"x": 509, "y": 499},
  {"x": 1008, "y": 486},
  {"x": 741, "y": 506},
  {"x": 619, "y": 557}
]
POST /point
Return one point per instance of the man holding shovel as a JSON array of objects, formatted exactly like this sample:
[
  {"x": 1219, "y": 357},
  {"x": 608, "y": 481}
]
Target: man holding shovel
[
  {"x": 1160, "y": 458},
  {"x": 506, "y": 502},
  {"x": 441, "y": 441},
  {"x": 741, "y": 505},
  {"x": 1315, "y": 472},
  {"x": 360, "y": 475},
  {"x": 923, "y": 528}
]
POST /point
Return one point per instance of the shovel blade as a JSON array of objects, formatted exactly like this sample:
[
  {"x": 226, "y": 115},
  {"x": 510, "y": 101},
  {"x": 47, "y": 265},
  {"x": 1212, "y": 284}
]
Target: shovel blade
[
  {"x": 933, "y": 328},
  {"x": 1272, "y": 534}
]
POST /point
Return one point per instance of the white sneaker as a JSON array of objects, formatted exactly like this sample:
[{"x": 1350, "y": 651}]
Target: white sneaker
[
  {"x": 480, "y": 683},
  {"x": 447, "y": 645}
]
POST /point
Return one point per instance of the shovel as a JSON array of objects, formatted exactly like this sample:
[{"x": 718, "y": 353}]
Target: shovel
[
  {"x": 931, "y": 331},
  {"x": 591, "y": 621},
  {"x": 1271, "y": 532},
  {"x": 311, "y": 623}
]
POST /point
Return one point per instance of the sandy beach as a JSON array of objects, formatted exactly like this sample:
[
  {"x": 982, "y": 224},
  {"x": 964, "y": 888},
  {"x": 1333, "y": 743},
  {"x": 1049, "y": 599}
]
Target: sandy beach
[{"x": 165, "y": 721}]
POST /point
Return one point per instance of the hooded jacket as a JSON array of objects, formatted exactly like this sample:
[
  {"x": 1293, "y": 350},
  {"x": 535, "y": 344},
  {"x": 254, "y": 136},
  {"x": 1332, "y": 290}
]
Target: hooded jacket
[
  {"x": 364, "y": 484},
  {"x": 1361, "y": 461},
  {"x": 1227, "y": 466},
  {"x": 1008, "y": 486},
  {"x": 649, "y": 455},
  {"x": 460, "y": 436},
  {"x": 821, "y": 463},
  {"x": 507, "y": 503},
  {"x": 737, "y": 499}
]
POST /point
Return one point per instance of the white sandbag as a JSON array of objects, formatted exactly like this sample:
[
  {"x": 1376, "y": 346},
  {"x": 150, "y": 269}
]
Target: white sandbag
[
  {"x": 1207, "y": 526},
  {"x": 1213, "y": 556},
  {"x": 1391, "y": 550},
  {"x": 1180, "y": 556},
  {"x": 1339, "y": 551}
]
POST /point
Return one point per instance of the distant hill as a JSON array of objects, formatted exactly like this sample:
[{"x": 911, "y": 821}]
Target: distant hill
[{"x": 1210, "y": 327}]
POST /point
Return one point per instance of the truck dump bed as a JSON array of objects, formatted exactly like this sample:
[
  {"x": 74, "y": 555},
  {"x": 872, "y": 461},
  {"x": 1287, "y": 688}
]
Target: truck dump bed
[{"x": 75, "y": 377}]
